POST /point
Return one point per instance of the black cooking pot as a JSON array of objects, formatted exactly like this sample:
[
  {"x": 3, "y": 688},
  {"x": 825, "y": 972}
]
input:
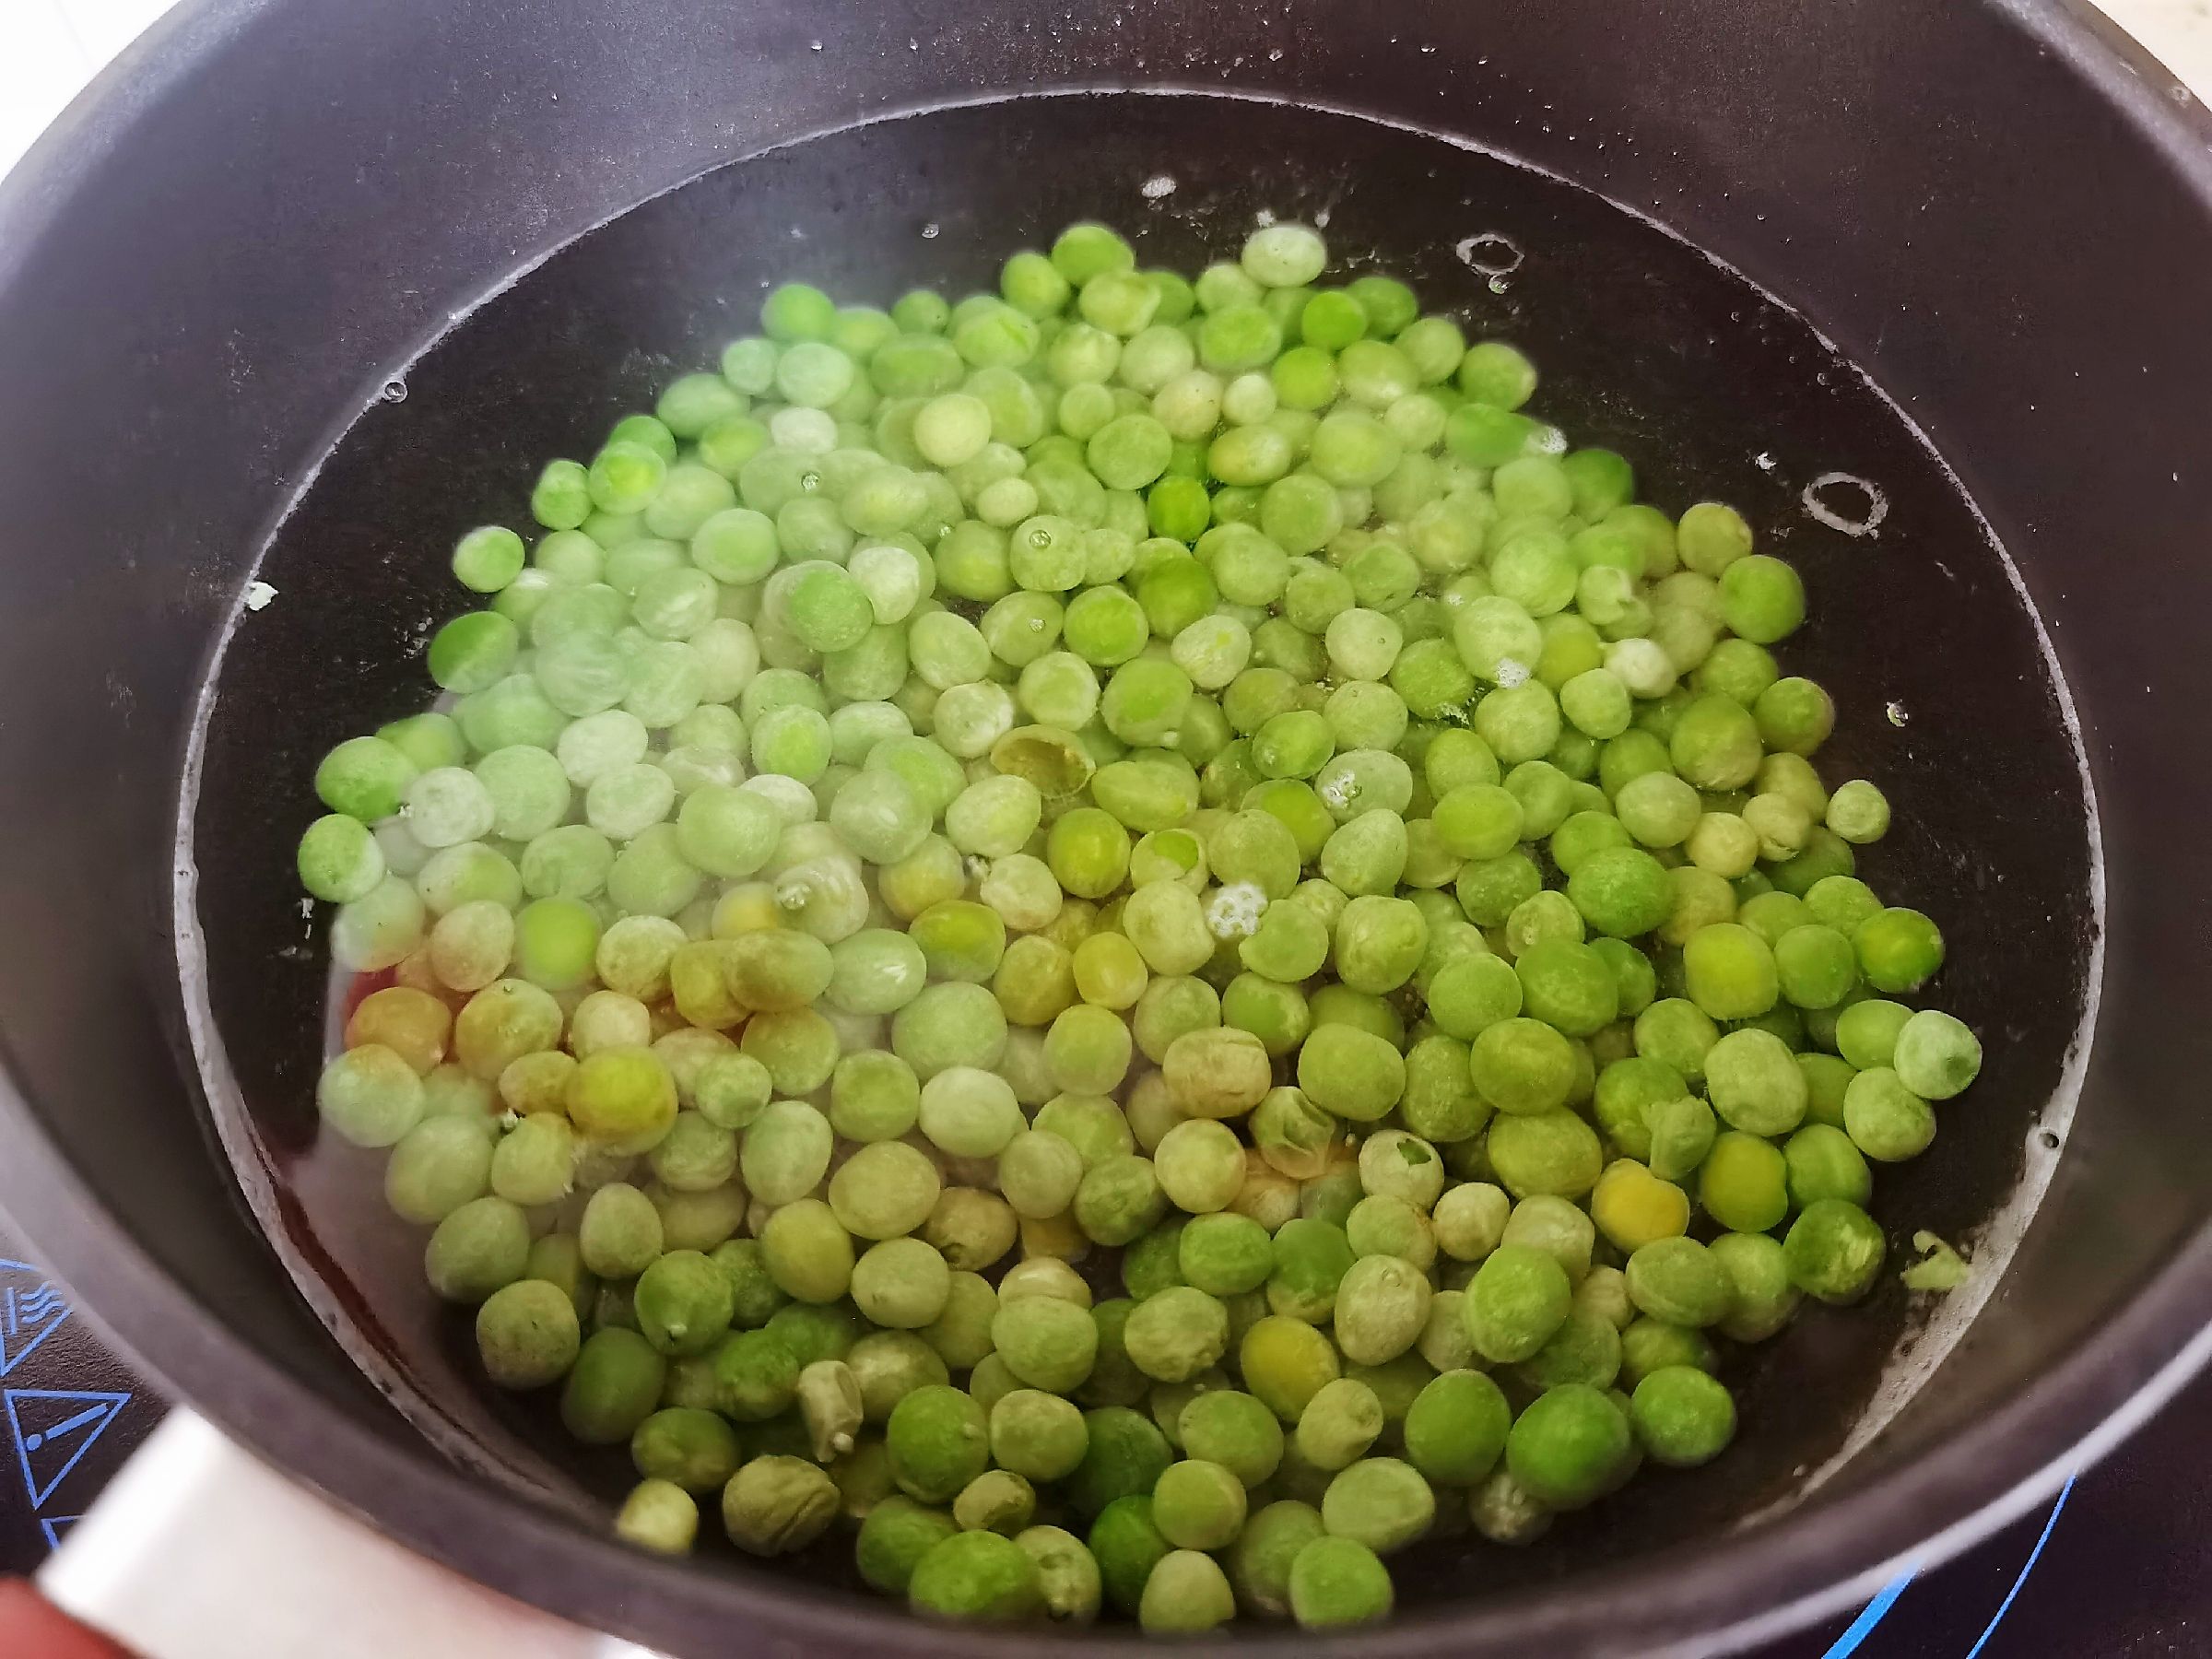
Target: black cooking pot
[{"x": 244, "y": 329}]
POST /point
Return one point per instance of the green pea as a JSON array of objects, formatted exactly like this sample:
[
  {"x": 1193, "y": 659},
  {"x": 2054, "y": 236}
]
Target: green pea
[
  {"x": 1518, "y": 1298},
  {"x": 1758, "y": 1268},
  {"x": 1381, "y": 1308},
  {"x": 1455, "y": 1430},
  {"x": 613, "y": 1387},
  {"x": 1470, "y": 1220},
  {"x": 1886, "y": 1120},
  {"x": 1935, "y": 1055},
  {"x": 1125, "y": 1455},
  {"x": 1260, "y": 1562},
  {"x": 1128, "y": 1545},
  {"x": 684, "y": 1302},
  {"x": 1569, "y": 1446},
  {"x": 1549, "y": 1152},
  {"x": 1338, "y": 1581},
  {"x": 1676, "y": 1280},
  {"x": 1743, "y": 1183},
  {"x": 896, "y": 1536},
  {"x": 1047, "y": 1342},
  {"x": 1682, "y": 1416},
  {"x": 888, "y": 1365},
  {"x": 527, "y": 1333},
  {"x": 658, "y": 1515},
  {"x": 807, "y": 1251},
  {"x": 1381, "y": 1503},
  {"x": 1067, "y": 1575},
  {"x": 939, "y": 1441},
  {"x": 690, "y": 1448},
  {"x": 477, "y": 1248},
  {"x": 1177, "y": 1333},
  {"x": 1351, "y": 1073}
]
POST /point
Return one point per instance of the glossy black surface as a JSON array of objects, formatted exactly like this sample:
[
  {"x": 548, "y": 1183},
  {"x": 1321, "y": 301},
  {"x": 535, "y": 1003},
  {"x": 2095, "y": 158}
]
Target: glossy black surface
[
  {"x": 267, "y": 209},
  {"x": 1647, "y": 348}
]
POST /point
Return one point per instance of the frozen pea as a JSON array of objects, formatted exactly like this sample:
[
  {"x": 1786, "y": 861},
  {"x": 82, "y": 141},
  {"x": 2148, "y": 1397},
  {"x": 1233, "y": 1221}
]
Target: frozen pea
[
  {"x": 776, "y": 1504},
  {"x": 1382, "y": 1502},
  {"x": 1339, "y": 1423}
]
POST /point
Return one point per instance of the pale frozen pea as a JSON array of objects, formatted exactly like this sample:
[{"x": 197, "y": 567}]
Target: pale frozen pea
[
  {"x": 1201, "y": 1165},
  {"x": 785, "y": 1152},
  {"x": 1470, "y": 1220},
  {"x": 970, "y": 1112},
  {"x": 1045, "y": 1275},
  {"x": 886, "y": 1189},
  {"x": 1402, "y": 1166}
]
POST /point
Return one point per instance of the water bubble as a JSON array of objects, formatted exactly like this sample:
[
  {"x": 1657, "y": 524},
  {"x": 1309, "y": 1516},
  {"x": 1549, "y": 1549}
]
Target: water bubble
[
  {"x": 1491, "y": 253},
  {"x": 810, "y": 481},
  {"x": 929, "y": 231},
  {"x": 393, "y": 391},
  {"x": 1861, "y": 516}
]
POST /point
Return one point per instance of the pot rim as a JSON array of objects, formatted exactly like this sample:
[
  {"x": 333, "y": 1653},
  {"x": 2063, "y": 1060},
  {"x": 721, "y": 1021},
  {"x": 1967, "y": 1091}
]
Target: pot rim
[{"x": 1771, "y": 1576}]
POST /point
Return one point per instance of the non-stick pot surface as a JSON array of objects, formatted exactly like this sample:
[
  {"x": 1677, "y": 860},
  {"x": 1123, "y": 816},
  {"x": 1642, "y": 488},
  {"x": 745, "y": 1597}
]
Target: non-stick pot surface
[
  {"x": 280, "y": 295},
  {"x": 1647, "y": 346}
]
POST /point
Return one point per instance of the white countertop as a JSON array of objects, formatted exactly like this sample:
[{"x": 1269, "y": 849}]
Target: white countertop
[
  {"x": 2178, "y": 33},
  {"x": 56, "y": 47}
]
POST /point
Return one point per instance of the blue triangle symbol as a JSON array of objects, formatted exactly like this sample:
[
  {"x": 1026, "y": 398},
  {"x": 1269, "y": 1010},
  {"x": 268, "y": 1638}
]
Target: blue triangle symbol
[
  {"x": 31, "y": 1309},
  {"x": 53, "y": 1526},
  {"x": 53, "y": 1428}
]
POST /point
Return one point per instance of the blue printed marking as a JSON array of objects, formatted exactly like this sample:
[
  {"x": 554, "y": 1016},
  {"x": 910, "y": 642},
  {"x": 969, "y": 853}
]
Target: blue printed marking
[
  {"x": 1856, "y": 1632},
  {"x": 53, "y": 1526},
  {"x": 53, "y": 1428},
  {"x": 1871, "y": 1615},
  {"x": 2034, "y": 1555},
  {"x": 31, "y": 1309}
]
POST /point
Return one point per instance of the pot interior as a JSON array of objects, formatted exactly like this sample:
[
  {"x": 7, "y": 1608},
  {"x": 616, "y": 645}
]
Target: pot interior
[{"x": 1647, "y": 346}]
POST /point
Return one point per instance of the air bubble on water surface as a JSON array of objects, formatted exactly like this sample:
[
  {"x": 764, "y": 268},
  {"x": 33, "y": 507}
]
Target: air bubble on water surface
[
  {"x": 1820, "y": 500},
  {"x": 1491, "y": 253}
]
